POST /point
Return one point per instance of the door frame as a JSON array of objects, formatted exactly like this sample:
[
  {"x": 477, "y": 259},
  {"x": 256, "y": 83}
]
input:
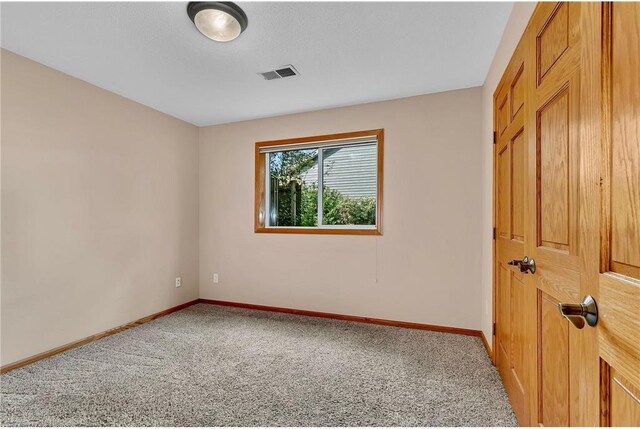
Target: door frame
[{"x": 494, "y": 256}]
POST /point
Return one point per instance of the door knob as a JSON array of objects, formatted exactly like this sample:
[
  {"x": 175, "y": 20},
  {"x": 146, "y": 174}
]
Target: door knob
[
  {"x": 524, "y": 265},
  {"x": 579, "y": 313}
]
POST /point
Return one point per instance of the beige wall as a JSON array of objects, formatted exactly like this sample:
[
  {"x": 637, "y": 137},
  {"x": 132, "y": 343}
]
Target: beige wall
[
  {"x": 99, "y": 209},
  {"x": 426, "y": 266},
  {"x": 518, "y": 20}
]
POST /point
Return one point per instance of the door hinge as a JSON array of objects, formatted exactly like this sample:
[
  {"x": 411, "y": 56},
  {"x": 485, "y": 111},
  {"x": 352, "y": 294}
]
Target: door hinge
[
  {"x": 493, "y": 329},
  {"x": 494, "y": 233},
  {"x": 495, "y": 138}
]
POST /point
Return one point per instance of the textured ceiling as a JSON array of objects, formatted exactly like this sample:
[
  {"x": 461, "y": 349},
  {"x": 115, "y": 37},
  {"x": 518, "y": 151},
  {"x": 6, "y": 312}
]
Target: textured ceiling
[{"x": 346, "y": 53}]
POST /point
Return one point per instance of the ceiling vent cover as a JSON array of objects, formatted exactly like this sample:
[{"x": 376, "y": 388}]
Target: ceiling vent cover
[{"x": 279, "y": 73}]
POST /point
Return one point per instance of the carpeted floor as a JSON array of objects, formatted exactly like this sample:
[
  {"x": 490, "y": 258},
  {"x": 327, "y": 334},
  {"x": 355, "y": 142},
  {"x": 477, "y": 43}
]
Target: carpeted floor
[{"x": 217, "y": 366}]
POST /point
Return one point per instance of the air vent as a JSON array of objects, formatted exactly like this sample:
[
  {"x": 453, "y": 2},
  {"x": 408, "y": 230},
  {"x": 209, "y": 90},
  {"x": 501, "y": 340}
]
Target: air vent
[
  {"x": 279, "y": 73},
  {"x": 270, "y": 75}
]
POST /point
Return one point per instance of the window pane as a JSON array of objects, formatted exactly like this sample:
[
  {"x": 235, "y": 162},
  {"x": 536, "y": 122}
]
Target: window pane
[
  {"x": 349, "y": 185},
  {"x": 293, "y": 191}
]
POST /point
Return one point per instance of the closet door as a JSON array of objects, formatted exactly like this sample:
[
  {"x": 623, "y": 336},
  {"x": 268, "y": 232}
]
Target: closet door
[
  {"x": 619, "y": 278},
  {"x": 512, "y": 356},
  {"x": 561, "y": 98},
  {"x": 574, "y": 302}
]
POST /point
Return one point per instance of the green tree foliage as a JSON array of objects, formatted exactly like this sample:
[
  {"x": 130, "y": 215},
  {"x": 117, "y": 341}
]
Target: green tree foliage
[
  {"x": 286, "y": 169},
  {"x": 309, "y": 206},
  {"x": 339, "y": 209},
  {"x": 289, "y": 165}
]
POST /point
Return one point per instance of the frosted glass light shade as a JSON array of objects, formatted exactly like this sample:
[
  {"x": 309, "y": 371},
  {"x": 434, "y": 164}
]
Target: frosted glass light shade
[{"x": 217, "y": 25}]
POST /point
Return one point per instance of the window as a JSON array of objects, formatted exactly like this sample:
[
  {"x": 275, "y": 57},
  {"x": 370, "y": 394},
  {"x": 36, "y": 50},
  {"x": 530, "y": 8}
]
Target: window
[{"x": 320, "y": 185}]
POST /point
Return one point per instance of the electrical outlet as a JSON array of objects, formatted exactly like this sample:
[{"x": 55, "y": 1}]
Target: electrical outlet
[
  {"x": 215, "y": 277},
  {"x": 178, "y": 281}
]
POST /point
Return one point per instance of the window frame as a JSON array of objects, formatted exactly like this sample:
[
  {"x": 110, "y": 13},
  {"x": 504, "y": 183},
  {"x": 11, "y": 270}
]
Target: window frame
[{"x": 261, "y": 185}]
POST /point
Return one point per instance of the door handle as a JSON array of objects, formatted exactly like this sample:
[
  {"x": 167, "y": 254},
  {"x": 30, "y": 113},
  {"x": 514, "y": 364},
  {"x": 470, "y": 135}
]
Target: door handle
[
  {"x": 525, "y": 264},
  {"x": 579, "y": 313}
]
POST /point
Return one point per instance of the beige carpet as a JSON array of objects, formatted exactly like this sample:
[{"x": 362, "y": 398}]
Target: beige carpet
[{"x": 216, "y": 366}]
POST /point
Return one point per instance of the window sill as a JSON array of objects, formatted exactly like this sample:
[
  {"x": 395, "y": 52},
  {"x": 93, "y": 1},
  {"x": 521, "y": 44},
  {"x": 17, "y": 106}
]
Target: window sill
[{"x": 334, "y": 231}]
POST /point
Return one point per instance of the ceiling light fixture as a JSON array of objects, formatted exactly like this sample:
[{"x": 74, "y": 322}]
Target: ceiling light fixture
[{"x": 220, "y": 21}]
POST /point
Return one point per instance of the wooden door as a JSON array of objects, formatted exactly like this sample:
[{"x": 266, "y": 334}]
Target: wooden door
[
  {"x": 557, "y": 206},
  {"x": 554, "y": 203},
  {"x": 511, "y": 357},
  {"x": 581, "y": 214},
  {"x": 619, "y": 277}
]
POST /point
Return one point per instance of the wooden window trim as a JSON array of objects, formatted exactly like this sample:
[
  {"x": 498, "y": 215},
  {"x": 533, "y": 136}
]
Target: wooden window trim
[{"x": 260, "y": 173}]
